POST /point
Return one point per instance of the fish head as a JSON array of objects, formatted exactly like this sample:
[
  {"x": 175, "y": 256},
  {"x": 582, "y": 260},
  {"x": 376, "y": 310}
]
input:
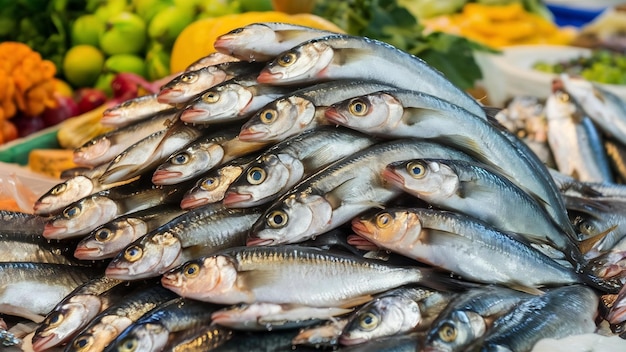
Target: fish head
[
  {"x": 268, "y": 176},
  {"x": 200, "y": 193},
  {"x": 149, "y": 256},
  {"x": 90, "y": 152},
  {"x": 203, "y": 279},
  {"x": 109, "y": 239},
  {"x": 188, "y": 164},
  {"x": 217, "y": 104},
  {"x": 65, "y": 320},
  {"x": 142, "y": 337},
  {"x": 373, "y": 113},
  {"x": 278, "y": 120},
  {"x": 294, "y": 219},
  {"x": 80, "y": 217},
  {"x": 188, "y": 84},
  {"x": 63, "y": 194},
  {"x": 426, "y": 179},
  {"x": 561, "y": 106},
  {"x": 304, "y": 63},
  {"x": 384, "y": 316},
  {"x": 387, "y": 228},
  {"x": 456, "y": 331},
  {"x": 214, "y": 58},
  {"x": 99, "y": 335},
  {"x": 244, "y": 41}
]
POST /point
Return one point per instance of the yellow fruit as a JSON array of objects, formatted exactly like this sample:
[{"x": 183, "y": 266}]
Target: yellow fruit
[
  {"x": 82, "y": 65},
  {"x": 196, "y": 40}
]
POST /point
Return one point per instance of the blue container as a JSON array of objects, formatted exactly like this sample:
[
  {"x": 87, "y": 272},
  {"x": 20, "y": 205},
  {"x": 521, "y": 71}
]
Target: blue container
[{"x": 573, "y": 16}]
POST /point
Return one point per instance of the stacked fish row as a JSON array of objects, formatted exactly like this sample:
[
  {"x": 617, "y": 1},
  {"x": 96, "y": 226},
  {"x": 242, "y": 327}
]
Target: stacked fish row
[{"x": 314, "y": 177}]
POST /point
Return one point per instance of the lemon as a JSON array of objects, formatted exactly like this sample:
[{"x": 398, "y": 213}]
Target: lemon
[
  {"x": 82, "y": 64},
  {"x": 196, "y": 40}
]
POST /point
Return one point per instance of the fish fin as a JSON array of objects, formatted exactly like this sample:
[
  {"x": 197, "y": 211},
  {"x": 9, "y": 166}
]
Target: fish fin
[
  {"x": 586, "y": 245},
  {"x": 356, "y": 301},
  {"x": 338, "y": 194},
  {"x": 527, "y": 289},
  {"x": 17, "y": 311}
]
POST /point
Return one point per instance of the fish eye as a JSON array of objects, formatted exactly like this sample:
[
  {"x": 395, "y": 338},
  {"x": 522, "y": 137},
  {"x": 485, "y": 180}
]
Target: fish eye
[
  {"x": 358, "y": 107},
  {"x": 58, "y": 189},
  {"x": 256, "y": 175},
  {"x": 368, "y": 321},
  {"x": 55, "y": 319},
  {"x": 191, "y": 270},
  {"x": 188, "y": 77},
  {"x": 71, "y": 212},
  {"x": 416, "y": 170},
  {"x": 277, "y": 219},
  {"x": 287, "y": 59},
  {"x": 384, "y": 220},
  {"x": 268, "y": 116},
  {"x": 180, "y": 159},
  {"x": 133, "y": 253},
  {"x": 209, "y": 183},
  {"x": 103, "y": 235},
  {"x": 447, "y": 332},
  {"x": 83, "y": 343},
  {"x": 563, "y": 97},
  {"x": 129, "y": 345},
  {"x": 211, "y": 97}
]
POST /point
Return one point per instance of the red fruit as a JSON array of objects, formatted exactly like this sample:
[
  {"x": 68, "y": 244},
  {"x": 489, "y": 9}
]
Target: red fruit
[
  {"x": 27, "y": 124},
  {"x": 126, "y": 86},
  {"x": 89, "y": 99},
  {"x": 66, "y": 108}
]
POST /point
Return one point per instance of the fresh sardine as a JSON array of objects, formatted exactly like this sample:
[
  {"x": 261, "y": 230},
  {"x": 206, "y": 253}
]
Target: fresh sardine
[
  {"x": 20, "y": 222},
  {"x": 212, "y": 59},
  {"x": 133, "y": 110},
  {"x": 202, "y": 338}
]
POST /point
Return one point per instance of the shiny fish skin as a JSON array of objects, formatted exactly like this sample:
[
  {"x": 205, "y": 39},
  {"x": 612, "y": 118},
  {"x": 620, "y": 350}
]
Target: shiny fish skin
[
  {"x": 264, "y": 41},
  {"x": 335, "y": 194},
  {"x": 20, "y": 222},
  {"x": 20, "y": 247},
  {"x": 108, "y": 239},
  {"x": 132, "y": 110},
  {"x": 287, "y": 162},
  {"x": 288, "y": 274},
  {"x": 323, "y": 335},
  {"x": 343, "y": 56},
  {"x": 200, "y": 339},
  {"x": 210, "y": 60}
]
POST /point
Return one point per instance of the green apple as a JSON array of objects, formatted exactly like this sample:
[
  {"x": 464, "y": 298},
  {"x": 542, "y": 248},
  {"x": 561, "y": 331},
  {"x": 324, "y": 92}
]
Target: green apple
[
  {"x": 146, "y": 9},
  {"x": 124, "y": 33},
  {"x": 110, "y": 8},
  {"x": 82, "y": 64},
  {"x": 87, "y": 29},
  {"x": 157, "y": 62},
  {"x": 125, "y": 63},
  {"x": 168, "y": 23},
  {"x": 103, "y": 82}
]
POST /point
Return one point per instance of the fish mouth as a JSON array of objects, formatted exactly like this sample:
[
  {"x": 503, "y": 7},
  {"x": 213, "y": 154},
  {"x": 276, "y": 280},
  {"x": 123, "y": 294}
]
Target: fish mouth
[
  {"x": 164, "y": 175},
  {"x": 170, "y": 95},
  {"x": 222, "y": 44},
  {"x": 359, "y": 227},
  {"x": 42, "y": 343},
  {"x": 256, "y": 241},
  {"x": 361, "y": 243},
  {"x": 194, "y": 115},
  {"x": 392, "y": 177},
  {"x": 192, "y": 202},
  {"x": 171, "y": 281},
  {"x": 86, "y": 253},
  {"x": 118, "y": 273},
  {"x": 268, "y": 77},
  {"x": 250, "y": 135},
  {"x": 332, "y": 115},
  {"x": 110, "y": 117},
  {"x": 232, "y": 198},
  {"x": 53, "y": 232},
  {"x": 351, "y": 341},
  {"x": 40, "y": 207}
]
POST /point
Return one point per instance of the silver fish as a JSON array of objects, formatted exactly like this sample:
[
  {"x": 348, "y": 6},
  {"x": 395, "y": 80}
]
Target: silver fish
[
  {"x": 34, "y": 248},
  {"x": 264, "y": 41},
  {"x": 211, "y": 60},
  {"x": 200, "y": 339},
  {"x": 20, "y": 222},
  {"x": 232, "y": 100},
  {"x": 76, "y": 310},
  {"x": 462, "y": 245},
  {"x": 191, "y": 83},
  {"x": 575, "y": 143},
  {"x": 335, "y": 194},
  {"x": 404, "y": 343},
  {"x": 133, "y": 110},
  {"x": 394, "y": 312},
  {"x": 302, "y": 110},
  {"x": 401, "y": 113},
  {"x": 289, "y": 274},
  {"x": 561, "y": 312},
  {"x": 198, "y": 232},
  {"x": 105, "y": 147},
  {"x": 343, "y": 56},
  {"x": 468, "y": 317},
  {"x": 323, "y": 335},
  {"x": 284, "y": 164},
  {"x": 108, "y": 240}
]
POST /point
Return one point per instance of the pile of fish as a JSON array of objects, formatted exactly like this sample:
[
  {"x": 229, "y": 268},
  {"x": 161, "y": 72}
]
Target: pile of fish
[{"x": 311, "y": 189}]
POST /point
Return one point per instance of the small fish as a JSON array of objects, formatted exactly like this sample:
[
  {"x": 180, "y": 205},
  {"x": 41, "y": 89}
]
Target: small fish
[
  {"x": 232, "y": 100},
  {"x": 289, "y": 274},
  {"x": 212, "y": 59},
  {"x": 284, "y": 164},
  {"x": 323, "y": 335},
  {"x": 403, "y": 343},
  {"x": 76, "y": 310},
  {"x": 152, "y": 331},
  {"x": 202, "y": 155},
  {"x": 302, "y": 110},
  {"x": 34, "y": 248},
  {"x": 212, "y": 187},
  {"x": 133, "y": 110},
  {"x": 191, "y": 83},
  {"x": 279, "y": 340},
  {"x": 402, "y": 113},
  {"x": 259, "y": 316},
  {"x": 462, "y": 245},
  {"x": 394, "y": 312},
  {"x": 264, "y": 41},
  {"x": 108, "y": 240},
  {"x": 108, "y": 324},
  {"x": 575, "y": 143},
  {"x": 20, "y": 222},
  {"x": 469, "y": 316},
  {"x": 206, "y": 337},
  {"x": 564, "y": 311},
  {"x": 350, "y": 57},
  {"x": 335, "y": 194},
  {"x": 103, "y": 148},
  {"x": 22, "y": 285},
  {"x": 198, "y": 232}
]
